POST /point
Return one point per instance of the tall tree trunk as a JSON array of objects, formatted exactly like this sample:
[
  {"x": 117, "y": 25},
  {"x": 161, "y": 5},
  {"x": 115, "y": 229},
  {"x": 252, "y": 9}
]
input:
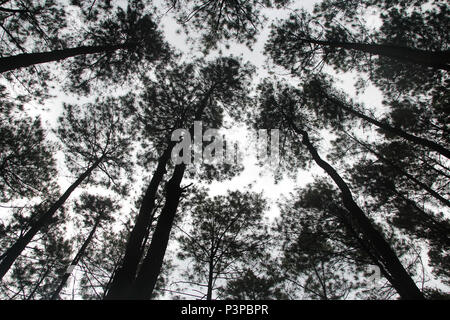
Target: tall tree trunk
[
  {"x": 28, "y": 59},
  {"x": 400, "y": 278},
  {"x": 126, "y": 273},
  {"x": 434, "y": 59},
  {"x": 126, "y": 278},
  {"x": 151, "y": 266},
  {"x": 396, "y": 131},
  {"x": 363, "y": 243},
  {"x": 16, "y": 249},
  {"x": 76, "y": 259}
]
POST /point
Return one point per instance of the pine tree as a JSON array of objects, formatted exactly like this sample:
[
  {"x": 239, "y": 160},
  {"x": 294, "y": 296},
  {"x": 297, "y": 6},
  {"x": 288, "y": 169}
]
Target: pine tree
[
  {"x": 280, "y": 107},
  {"x": 177, "y": 103},
  {"x": 94, "y": 138},
  {"x": 226, "y": 233}
]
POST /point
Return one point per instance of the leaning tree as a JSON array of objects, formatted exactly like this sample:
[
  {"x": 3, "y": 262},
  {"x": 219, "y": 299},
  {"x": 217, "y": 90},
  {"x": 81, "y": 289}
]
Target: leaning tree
[
  {"x": 96, "y": 142},
  {"x": 281, "y": 106}
]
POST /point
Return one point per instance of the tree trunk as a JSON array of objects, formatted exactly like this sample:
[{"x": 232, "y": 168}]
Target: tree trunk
[
  {"x": 76, "y": 259},
  {"x": 434, "y": 59},
  {"x": 210, "y": 280},
  {"x": 396, "y": 131},
  {"x": 28, "y": 59},
  {"x": 151, "y": 266},
  {"x": 126, "y": 278},
  {"x": 400, "y": 278},
  {"x": 126, "y": 274},
  {"x": 16, "y": 249}
]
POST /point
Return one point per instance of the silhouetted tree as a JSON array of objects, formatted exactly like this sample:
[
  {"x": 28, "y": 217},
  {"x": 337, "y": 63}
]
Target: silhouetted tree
[
  {"x": 27, "y": 166},
  {"x": 397, "y": 56},
  {"x": 225, "y": 233},
  {"x": 280, "y": 108},
  {"x": 218, "y": 20},
  {"x": 322, "y": 257},
  {"x": 179, "y": 99},
  {"x": 99, "y": 210},
  {"x": 113, "y": 44},
  {"x": 35, "y": 272},
  {"x": 94, "y": 138},
  {"x": 319, "y": 96}
]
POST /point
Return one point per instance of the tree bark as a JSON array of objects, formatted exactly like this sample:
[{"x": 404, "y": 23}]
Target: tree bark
[
  {"x": 126, "y": 274},
  {"x": 16, "y": 249},
  {"x": 76, "y": 259},
  {"x": 151, "y": 266},
  {"x": 400, "y": 278},
  {"x": 434, "y": 59},
  {"x": 28, "y": 59}
]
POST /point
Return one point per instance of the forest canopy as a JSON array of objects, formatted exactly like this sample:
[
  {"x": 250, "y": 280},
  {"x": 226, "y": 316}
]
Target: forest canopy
[{"x": 224, "y": 149}]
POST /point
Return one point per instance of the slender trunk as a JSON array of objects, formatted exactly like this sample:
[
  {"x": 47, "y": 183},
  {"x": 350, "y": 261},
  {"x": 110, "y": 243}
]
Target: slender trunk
[
  {"x": 396, "y": 131},
  {"x": 76, "y": 259},
  {"x": 210, "y": 277},
  {"x": 434, "y": 59},
  {"x": 362, "y": 242},
  {"x": 400, "y": 278},
  {"x": 126, "y": 273},
  {"x": 323, "y": 295},
  {"x": 151, "y": 266},
  {"x": 212, "y": 254},
  {"x": 111, "y": 278},
  {"x": 16, "y": 249},
  {"x": 29, "y": 59}
]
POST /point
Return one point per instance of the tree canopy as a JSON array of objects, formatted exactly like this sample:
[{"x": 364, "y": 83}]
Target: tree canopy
[{"x": 224, "y": 150}]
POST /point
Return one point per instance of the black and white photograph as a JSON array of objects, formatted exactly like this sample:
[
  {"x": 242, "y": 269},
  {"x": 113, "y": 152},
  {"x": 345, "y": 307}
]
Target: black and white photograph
[{"x": 224, "y": 159}]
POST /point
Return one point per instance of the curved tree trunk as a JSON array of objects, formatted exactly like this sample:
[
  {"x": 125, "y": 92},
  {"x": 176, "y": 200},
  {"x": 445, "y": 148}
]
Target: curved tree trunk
[
  {"x": 399, "y": 277},
  {"x": 16, "y": 249}
]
